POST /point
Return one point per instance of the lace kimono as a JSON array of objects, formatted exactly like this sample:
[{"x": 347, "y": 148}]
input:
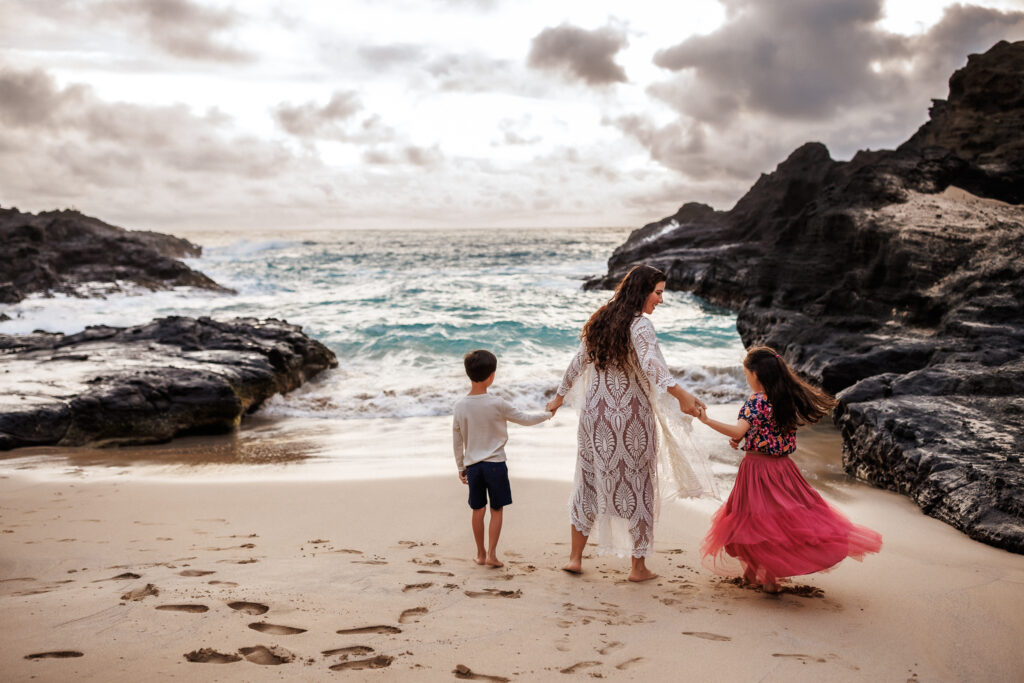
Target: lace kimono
[{"x": 624, "y": 438}]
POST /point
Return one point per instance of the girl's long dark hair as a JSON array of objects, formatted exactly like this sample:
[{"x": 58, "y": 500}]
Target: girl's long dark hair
[
  {"x": 794, "y": 401},
  {"x": 607, "y": 331}
]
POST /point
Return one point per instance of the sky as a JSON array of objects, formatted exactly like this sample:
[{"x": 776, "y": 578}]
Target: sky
[{"x": 189, "y": 115}]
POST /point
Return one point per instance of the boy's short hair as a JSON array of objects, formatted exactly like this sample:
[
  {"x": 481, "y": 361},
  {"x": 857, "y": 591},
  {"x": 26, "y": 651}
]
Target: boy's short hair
[{"x": 480, "y": 364}]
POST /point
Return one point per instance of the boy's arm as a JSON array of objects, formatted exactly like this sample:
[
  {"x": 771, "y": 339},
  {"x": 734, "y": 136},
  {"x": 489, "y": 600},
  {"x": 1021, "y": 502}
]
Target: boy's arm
[
  {"x": 513, "y": 414},
  {"x": 459, "y": 447}
]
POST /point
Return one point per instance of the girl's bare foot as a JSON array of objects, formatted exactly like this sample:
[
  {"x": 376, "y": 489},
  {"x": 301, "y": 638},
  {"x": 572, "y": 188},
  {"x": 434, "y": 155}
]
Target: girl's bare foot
[
  {"x": 480, "y": 559},
  {"x": 493, "y": 562},
  {"x": 574, "y": 567},
  {"x": 644, "y": 574},
  {"x": 771, "y": 587}
]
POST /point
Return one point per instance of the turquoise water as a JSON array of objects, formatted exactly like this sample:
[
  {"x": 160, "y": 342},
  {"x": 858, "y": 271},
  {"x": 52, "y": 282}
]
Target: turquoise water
[{"x": 401, "y": 308}]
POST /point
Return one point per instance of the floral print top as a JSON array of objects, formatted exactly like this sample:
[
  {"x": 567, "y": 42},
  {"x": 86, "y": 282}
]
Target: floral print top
[{"x": 764, "y": 435}]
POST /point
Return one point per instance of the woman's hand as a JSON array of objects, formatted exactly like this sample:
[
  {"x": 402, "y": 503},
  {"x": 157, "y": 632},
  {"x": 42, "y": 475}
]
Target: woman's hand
[
  {"x": 689, "y": 404},
  {"x": 554, "y": 404}
]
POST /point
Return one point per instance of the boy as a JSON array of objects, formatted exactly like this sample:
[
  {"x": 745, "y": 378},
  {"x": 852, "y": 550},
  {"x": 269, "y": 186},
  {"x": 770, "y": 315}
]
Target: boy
[{"x": 479, "y": 434}]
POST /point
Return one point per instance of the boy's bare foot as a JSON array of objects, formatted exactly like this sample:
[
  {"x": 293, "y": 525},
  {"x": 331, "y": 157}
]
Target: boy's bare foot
[
  {"x": 494, "y": 562},
  {"x": 574, "y": 567}
]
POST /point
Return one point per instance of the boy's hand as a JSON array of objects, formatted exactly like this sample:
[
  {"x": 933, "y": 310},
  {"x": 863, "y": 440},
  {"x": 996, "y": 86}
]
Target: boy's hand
[{"x": 462, "y": 477}]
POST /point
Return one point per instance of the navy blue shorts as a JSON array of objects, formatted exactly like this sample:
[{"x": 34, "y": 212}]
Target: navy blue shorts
[{"x": 488, "y": 480}]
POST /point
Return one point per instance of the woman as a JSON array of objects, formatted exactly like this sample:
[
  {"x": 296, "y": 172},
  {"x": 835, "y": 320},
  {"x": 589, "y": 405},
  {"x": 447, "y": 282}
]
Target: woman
[{"x": 623, "y": 372}]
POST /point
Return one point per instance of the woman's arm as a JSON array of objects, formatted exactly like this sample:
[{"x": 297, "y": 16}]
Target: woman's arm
[
  {"x": 645, "y": 343},
  {"x": 572, "y": 372}
]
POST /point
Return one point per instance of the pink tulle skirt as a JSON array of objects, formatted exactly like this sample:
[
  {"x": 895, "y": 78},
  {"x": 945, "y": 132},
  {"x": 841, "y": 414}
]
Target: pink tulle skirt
[{"x": 775, "y": 525}]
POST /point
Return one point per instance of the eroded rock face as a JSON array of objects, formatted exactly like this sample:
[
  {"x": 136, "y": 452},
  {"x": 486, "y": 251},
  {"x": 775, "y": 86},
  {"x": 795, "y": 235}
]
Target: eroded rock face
[
  {"x": 146, "y": 384},
  {"x": 896, "y": 280},
  {"x": 59, "y": 251}
]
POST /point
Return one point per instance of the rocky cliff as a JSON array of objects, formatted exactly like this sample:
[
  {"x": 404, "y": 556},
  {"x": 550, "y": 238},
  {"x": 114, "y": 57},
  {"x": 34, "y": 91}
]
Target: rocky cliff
[
  {"x": 60, "y": 251},
  {"x": 895, "y": 279},
  {"x": 117, "y": 386}
]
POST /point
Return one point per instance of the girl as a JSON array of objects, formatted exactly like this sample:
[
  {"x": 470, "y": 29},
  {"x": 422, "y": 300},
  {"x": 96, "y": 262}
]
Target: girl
[{"x": 774, "y": 523}]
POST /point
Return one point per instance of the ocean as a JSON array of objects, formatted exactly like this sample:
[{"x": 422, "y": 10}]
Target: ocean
[{"x": 400, "y": 308}]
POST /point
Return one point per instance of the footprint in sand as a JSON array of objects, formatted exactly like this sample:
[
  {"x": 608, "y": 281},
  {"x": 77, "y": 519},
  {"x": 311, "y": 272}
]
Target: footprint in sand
[
  {"x": 210, "y": 656},
  {"x": 123, "y": 577},
  {"x": 222, "y": 583},
  {"x": 346, "y": 651},
  {"x": 615, "y": 645},
  {"x": 57, "y": 654},
  {"x": 192, "y": 609},
  {"x": 430, "y": 571},
  {"x": 802, "y": 658},
  {"x": 408, "y": 615},
  {"x": 275, "y": 629},
  {"x": 196, "y": 572},
  {"x": 370, "y": 629},
  {"x": 140, "y": 593},
  {"x": 253, "y": 608},
  {"x": 628, "y": 663},
  {"x": 378, "y": 662},
  {"x": 494, "y": 593},
  {"x": 318, "y": 541},
  {"x": 577, "y": 666},
  {"x": 416, "y": 587},
  {"x": 267, "y": 656},
  {"x": 368, "y": 562},
  {"x": 464, "y": 672},
  {"x": 348, "y": 551},
  {"x": 706, "y": 636}
]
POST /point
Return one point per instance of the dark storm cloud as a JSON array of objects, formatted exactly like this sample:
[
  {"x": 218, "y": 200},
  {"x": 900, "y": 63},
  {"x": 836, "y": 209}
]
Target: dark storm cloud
[
  {"x": 179, "y": 27},
  {"x": 808, "y": 59},
  {"x": 336, "y": 120},
  {"x": 587, "y": 55}
]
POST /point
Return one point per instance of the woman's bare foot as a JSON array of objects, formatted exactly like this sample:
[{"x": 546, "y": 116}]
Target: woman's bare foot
[
  {"x": 574, "y": 567},
  {"x": 480, "y": 559},
  {"x": 642, "y": 574},
  {"x": 493, "y": 561}
]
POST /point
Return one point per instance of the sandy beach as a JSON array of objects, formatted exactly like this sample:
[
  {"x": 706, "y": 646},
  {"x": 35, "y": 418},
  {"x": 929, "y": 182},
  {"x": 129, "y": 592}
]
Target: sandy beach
[{"x": 124, "y": 574}]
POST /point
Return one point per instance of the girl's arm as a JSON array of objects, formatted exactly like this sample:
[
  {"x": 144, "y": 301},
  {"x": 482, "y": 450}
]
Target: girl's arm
[{"x": 735, "y": 432}]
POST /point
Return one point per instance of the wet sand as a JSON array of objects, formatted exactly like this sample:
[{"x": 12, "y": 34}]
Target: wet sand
[{"x": 125, "y": 572}]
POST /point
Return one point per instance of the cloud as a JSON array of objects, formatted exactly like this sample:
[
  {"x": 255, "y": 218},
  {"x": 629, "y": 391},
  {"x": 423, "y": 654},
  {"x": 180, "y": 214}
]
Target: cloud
[
  {"x": 383, "y": 57},
  {"x": 423, "y": 157},
  {"x": 63, "y": 146},
  {"x": 586, "y": 55},
  {"x": 181, "y": 28}
]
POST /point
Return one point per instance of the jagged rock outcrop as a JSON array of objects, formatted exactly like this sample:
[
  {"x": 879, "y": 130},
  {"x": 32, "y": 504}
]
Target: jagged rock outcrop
[
  {"x": 897, "y": 280},
  {"x": 145, "y": 384},
  {"x": 59, "y": 251}
]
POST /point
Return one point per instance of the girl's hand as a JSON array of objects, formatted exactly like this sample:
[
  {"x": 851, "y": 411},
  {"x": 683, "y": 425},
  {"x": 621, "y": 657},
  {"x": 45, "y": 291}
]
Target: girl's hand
[
  {"x": 702, "y": 413},
  {"x": 735, "y": 443}
]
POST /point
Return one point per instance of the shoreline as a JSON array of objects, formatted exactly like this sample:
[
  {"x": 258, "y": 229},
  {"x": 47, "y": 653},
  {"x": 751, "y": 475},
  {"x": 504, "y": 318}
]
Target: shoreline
[{"x": 323, "y": 556}]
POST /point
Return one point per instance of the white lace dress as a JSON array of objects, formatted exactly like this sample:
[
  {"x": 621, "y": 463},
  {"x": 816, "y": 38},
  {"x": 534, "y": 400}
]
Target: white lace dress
[{"x": 616, "y": 483}]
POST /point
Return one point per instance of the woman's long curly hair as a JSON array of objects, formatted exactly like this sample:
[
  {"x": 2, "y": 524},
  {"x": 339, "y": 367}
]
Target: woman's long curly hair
[
  {"x": 607, "y": 331},
  {"x": 794, "y": 401}
]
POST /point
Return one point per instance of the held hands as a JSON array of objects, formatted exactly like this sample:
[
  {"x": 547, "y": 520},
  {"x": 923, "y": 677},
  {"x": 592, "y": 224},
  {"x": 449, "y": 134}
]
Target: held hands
[
  {"x": 691, "y": 405},
  {"x": 554, "y": 404}
]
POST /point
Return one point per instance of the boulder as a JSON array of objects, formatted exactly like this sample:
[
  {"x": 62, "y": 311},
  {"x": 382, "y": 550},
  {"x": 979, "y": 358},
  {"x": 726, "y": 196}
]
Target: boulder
[
  {"x": 109, "y": 386},
  {"x": 64, "y": 251}
]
